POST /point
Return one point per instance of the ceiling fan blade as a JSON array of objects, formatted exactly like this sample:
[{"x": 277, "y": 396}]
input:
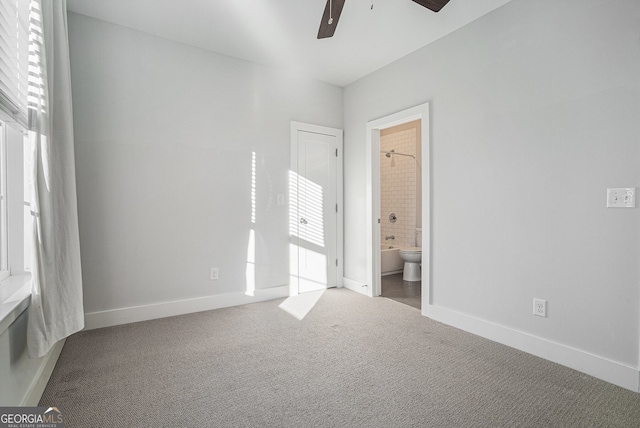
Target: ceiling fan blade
[
  {"x": 434, "y": 5},
  {"x": 330, "y": 14}
]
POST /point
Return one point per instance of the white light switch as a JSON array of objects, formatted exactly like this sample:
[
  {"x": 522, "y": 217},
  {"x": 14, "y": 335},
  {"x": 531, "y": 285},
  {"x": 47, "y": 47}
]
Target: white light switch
[
  {"x": 622, "y": 197},
  {"x": 280, "y": 199}
]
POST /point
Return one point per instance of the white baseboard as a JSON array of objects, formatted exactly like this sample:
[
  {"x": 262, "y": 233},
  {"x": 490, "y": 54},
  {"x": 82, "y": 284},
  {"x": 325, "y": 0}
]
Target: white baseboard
[
  {"x": 356, "y": 286},
  {"x": 34, "y": 393},
  {"x": 120, "y": 316},
  {"x": 392, "y": 272},
  {"x": 593, "y": 365}
]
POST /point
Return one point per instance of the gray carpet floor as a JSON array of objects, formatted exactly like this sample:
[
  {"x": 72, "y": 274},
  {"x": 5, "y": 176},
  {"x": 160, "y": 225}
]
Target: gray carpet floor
[{"x": 351, "y": 362}]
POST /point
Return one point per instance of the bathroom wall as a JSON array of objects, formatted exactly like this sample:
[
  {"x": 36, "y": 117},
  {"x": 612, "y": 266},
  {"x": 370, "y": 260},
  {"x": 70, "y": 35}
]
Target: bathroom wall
[{"x": 399, "y": 178}]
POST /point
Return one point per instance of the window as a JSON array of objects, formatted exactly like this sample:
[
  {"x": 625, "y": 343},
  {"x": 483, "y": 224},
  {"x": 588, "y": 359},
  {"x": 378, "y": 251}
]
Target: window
[
  {"x": 15, "y": 215},
  {"x": 14, "y": 59},
  {"x": 4, "y": 232},
  {"x": 20, "y": 37},
  {"x": 27, "y": 218}
]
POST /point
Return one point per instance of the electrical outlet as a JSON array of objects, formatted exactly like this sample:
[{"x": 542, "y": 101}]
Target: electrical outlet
[
  {"x": 540, "y": 307},
  {"x": 213, "y": 275},
  {"x": 624, "y": 197}
]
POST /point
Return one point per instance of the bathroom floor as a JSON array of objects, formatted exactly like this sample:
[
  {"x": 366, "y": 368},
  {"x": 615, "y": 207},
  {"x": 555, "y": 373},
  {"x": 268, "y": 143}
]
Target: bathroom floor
[{"x": 409, "y": 293}]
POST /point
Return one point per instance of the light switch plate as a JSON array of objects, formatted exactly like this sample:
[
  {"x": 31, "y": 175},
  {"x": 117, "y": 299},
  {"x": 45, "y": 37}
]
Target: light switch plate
[
  {"x": 280, "y": 199},
  {"x": 621, "y": 197}
]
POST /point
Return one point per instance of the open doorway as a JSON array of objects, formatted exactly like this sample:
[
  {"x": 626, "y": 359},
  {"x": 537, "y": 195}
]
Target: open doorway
[
  {"x": 376, "y": 130},
  {"x": 401, "y": 213}
]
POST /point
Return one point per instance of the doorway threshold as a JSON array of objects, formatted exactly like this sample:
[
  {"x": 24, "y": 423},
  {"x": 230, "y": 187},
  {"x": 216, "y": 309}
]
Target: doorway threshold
[{"x": 406, "y": 292}]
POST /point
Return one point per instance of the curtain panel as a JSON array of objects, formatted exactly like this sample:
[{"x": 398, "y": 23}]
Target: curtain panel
[{"x": 56, "y": 309}]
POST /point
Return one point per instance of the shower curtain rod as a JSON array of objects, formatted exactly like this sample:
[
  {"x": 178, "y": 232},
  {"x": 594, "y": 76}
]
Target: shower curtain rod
[{"x": 393, "y": 152}]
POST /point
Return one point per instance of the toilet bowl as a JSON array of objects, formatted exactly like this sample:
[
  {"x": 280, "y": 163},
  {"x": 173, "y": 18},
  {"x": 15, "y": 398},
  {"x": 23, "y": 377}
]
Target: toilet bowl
[{"x": 412, "y": 257}]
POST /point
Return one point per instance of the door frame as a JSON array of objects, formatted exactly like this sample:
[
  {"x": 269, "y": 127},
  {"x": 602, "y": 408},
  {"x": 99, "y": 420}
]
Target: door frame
[
  {"x": 293, "y": 165},
  {"x": 419, "y": 112}
]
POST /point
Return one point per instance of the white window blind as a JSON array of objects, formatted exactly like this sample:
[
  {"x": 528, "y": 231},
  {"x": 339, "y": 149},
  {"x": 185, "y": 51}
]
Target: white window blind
[
  {"x": 36, "y": 100},
  {"x": 14, "y": 58},
  {"x": 4, "y": 233}
]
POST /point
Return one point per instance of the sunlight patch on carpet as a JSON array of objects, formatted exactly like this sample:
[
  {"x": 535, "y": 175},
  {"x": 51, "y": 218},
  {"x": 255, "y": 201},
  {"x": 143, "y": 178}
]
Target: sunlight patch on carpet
[{"x": 299, "y": 306}]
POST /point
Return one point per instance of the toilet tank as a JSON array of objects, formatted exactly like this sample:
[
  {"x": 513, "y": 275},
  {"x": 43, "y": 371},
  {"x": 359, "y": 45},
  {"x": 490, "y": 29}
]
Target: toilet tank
[{"x": 418, "y": 237}]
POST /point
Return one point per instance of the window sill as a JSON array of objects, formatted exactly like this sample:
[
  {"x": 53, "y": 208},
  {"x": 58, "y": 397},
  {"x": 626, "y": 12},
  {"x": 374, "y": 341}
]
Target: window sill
[{"x": 15, "y": 296}]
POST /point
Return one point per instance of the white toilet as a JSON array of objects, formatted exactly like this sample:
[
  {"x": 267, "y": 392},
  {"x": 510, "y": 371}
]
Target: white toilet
[{"x": 412, "y": 257}]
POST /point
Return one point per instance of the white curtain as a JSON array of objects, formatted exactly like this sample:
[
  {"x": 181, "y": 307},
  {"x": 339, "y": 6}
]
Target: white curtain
[{"x": 56, "y": 309}]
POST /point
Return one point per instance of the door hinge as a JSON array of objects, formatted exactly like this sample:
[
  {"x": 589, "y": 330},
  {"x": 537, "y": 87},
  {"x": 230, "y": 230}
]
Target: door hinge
[
  {"x": 336, "y": 207},
  {"x": 336, "y": 262},
  {"x": 378, "y": 221},
  {"x": 336, "y": 152}
]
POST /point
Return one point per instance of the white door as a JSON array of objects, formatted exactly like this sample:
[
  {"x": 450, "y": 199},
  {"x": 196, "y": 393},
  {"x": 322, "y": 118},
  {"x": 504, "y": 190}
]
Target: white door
[{"x": 314, "y": 211}]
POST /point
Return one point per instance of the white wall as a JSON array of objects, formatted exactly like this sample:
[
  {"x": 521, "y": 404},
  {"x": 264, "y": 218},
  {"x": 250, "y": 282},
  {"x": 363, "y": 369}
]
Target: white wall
[
  {"x": 164, "y": 140},
  {"x": 534, "y": 113}
]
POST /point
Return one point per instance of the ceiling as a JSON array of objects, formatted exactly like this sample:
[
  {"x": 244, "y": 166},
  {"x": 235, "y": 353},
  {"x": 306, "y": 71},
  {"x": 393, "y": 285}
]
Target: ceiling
[{"x": 282, "y": 33}]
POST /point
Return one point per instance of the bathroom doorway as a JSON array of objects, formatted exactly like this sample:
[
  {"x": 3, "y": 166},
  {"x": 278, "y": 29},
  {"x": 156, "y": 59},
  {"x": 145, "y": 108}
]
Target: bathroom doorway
[
  {"x": 401, "y": 212},
  {"x": 376, "y": 216}
]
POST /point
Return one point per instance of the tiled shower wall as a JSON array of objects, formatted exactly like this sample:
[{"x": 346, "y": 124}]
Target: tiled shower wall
[{"x": 399, "y": 185}]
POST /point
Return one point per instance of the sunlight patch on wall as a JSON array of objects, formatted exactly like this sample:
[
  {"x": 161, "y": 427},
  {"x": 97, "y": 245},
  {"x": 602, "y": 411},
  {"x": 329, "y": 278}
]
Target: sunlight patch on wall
[
  {"x": 306, "y": 210},
  {"x": 250, "y": 270}
]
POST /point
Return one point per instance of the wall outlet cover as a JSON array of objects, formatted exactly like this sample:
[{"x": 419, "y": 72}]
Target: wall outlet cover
[
  {"x": 540, "y": 307},
  {"x": 621, "y": 197}
]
